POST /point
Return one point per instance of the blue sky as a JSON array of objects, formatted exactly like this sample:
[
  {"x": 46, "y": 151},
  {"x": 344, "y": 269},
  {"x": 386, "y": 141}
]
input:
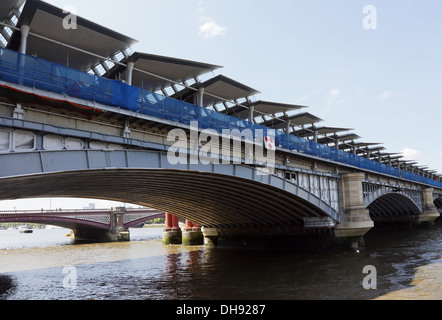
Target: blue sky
[{"x": 385, "y": 83}]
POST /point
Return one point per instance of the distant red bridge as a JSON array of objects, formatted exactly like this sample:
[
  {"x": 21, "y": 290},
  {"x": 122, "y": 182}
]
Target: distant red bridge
[{"x": 110, "y": 220}]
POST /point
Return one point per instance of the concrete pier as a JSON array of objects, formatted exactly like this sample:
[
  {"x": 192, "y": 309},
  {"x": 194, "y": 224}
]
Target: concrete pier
[
  {"x": 355, "y": 220},
  {"x": 192, "y": 235},
  {"x": 172, "y": 234}
]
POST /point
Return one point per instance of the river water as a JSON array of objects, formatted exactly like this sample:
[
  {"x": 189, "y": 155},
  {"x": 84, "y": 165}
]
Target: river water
[{"x": 46, "y": 266}]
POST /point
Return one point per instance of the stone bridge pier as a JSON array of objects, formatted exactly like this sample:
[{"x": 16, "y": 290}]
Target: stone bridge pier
[
  {"x": 355, "y": 218},
  {"x": 430, "y": 211},
  {"x": 117, "y": 231}
]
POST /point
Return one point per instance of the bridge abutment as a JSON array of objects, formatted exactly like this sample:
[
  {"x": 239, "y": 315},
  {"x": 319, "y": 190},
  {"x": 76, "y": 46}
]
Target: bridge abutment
[
  {"x": 355, "y": 220},
  {"x": 210, "y": 236},
  {"x": 192, "y": 235}
]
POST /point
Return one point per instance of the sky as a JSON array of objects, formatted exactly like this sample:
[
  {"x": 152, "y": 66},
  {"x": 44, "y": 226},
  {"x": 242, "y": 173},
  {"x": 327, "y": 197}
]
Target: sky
[{"x": 369, "y": 65}]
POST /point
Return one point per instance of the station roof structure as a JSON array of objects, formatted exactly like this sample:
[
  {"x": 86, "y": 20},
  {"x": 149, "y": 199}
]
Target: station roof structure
[
  {"x": 391, "y": 156},
  {"x": 366, "y": 144},
  {"x": 6, "y": 6},
  {"x": 342, "y": 139},
  {"x": 409, "y": 162},
  {"x": 373, "y": 151},
  {"x": 303, "y": 119},
  {"x": 300, "y": 120},
  {"x": 217, "y": 90},
  {"x": 88, "y": 36},
  {"x": 360, "y": 147},
  {"x": 310, "y": 132},
  {"x": 154, "y": 72},
  {"x": 404, "y": 163},
  {"x": 261, "y": 108}
]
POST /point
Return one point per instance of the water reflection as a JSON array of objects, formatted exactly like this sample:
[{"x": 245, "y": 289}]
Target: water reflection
[
  {"x": 183, "y": 269},
  {"x": 407, "y": 263},
  {"x": 6, "y": 284}
]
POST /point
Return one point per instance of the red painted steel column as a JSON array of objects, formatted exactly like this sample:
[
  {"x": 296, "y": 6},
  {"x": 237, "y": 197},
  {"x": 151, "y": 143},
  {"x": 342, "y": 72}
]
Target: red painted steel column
[
  {"x": 169, "y": 221},
  {"x": 172, "y": 234},
  {"x": 175, "y": 223},
  {"x": 189, "y": 225}
]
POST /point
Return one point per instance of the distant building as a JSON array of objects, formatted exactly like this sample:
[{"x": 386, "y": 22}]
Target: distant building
[{"x": 91, "y": 206}]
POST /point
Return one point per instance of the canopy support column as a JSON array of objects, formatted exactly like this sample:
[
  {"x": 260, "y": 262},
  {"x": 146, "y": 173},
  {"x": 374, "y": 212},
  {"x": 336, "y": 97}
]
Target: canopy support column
[
  {"x": 288, "y": 126},
  {"x": 129, "y": 71},
  {"x": 200, "y": 97},
  {"x": 24, "y": 38},
  {"x": 252, "y": 114}
]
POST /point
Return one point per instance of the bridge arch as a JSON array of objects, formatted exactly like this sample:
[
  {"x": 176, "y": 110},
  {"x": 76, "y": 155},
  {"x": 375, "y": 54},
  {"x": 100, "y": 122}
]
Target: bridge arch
[
  {"x": 438, "y": 203},
  {"x": 209, "y": 195},
  {"x": 393, "y": 206}
]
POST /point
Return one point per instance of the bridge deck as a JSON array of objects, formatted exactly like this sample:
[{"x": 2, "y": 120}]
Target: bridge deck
[{"x": 68, "y": 84}]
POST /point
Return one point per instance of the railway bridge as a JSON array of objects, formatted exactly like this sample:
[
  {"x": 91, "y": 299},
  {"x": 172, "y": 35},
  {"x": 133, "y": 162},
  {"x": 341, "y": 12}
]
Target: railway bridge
[
  {"x": 87, "y": 225},
  {"x": 83, "y": 116}
]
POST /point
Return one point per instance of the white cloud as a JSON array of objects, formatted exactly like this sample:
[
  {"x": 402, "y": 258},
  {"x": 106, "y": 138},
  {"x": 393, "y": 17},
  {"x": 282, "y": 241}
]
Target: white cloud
[
  {"x": 201, "y": 6},
  {"x": 333, "y": 98},
  {"x": 211, "y": 29},
  {"x": 333, "y": 93},
  {"x": 411, "y": 154},
  {"x": 311, "y": 94},
  {"x": 386, "y": 95},
  {"x": 361, "y": 92}
]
